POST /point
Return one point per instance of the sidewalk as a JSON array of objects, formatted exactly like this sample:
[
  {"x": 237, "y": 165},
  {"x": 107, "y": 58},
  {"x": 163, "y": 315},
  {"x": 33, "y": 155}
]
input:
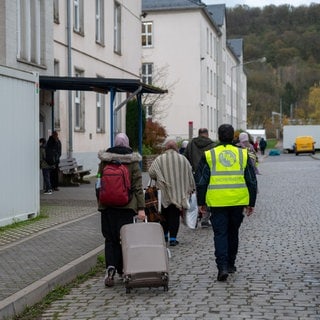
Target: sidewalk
[{"x": 52, "y": 251}]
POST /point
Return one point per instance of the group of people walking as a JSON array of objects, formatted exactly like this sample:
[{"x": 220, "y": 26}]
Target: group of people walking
[
  {"x": 222, "y": 175},
  {"x": 50, "y": 153}
]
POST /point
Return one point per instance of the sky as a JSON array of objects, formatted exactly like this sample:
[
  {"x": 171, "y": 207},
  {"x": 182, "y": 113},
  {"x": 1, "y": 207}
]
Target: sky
[{"x": 260, "y": 3}]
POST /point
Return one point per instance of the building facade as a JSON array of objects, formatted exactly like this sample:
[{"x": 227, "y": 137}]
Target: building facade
[{"x": 203, "y": 72}]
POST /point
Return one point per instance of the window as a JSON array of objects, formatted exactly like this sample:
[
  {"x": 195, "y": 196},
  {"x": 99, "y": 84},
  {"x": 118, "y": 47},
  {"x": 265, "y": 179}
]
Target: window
[
  {"x": 56, "y": 70},
  {"x": 149, "y": 111},
  {"x": 100, "y": 21},
  {"x": 31, "y": 31},
  {"x": 100, "y": 104},
  {"x": 78, "y": 16},
  {"x": 208, "y": 79},
  {"x": 79, "y": 105},
  {"x": 56, "y": 11},
  {"x": 117, "y": 28},
  {"x": 207, "y": 40},
  {"x": 146, "y": 34},
  {"x": 147, "y": 69}
]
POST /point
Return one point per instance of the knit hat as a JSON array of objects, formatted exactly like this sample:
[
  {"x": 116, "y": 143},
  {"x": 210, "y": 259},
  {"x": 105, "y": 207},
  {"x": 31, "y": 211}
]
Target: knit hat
[
  {"x": 184, "y": 144},
  {"x": 243, "y": 137},
  {"x": 121, "y": 140}
]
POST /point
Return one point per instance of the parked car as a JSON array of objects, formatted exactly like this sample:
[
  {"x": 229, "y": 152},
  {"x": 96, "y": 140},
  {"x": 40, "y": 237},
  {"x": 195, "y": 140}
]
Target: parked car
[{"x": 304, "y": 144}]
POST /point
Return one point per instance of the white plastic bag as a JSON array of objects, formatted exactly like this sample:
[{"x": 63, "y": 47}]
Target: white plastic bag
[{"x": 191, "y": 214}]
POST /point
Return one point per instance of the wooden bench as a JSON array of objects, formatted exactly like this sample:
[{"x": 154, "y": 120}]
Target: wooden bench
[{"x": 72, "y": 174}]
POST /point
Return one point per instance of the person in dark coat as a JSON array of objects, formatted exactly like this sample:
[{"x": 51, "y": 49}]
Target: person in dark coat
[
  {"x": 45, "y": 167},
  {"x": 53, "y": 154},
  {"x": 262, "y": 145},
  {"x": 194, "y": 152}
]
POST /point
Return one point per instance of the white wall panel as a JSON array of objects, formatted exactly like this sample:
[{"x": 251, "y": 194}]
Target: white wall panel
[{"x": 19, "y": 137}]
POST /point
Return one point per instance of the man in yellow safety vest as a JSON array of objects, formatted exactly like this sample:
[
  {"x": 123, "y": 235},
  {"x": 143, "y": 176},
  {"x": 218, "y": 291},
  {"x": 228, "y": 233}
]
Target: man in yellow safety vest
[{"x": 227, "y": 185}]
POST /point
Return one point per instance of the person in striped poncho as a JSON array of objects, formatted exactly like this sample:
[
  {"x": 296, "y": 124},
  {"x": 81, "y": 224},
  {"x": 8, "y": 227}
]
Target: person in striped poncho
[{"x": 173, "y": 175}]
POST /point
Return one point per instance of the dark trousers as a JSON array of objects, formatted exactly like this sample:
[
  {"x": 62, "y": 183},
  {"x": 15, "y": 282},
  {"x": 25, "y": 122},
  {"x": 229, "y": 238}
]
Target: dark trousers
[
  {"x": 54, "y": 177},
  {"x": 46, "y": 179},
  {"x": 111, "y": 222},
  {"x": 172, "y": 220},
  {"x": 226, "y": 222}
]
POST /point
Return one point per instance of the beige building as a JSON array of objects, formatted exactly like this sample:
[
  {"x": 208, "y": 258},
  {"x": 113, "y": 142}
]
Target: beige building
[
  {"x": 185, "y": 48},
  {"x": 76, "y": 38}
]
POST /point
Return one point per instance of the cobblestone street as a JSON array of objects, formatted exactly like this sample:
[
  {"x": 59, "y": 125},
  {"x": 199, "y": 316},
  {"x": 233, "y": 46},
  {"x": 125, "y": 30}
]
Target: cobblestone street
[{"x": 278, "y": 263}]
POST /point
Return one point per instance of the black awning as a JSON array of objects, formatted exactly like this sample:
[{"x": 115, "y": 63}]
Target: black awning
[{"x": 102, "y": 85}]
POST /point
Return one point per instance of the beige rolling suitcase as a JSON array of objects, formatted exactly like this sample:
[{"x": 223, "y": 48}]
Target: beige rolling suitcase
[{"x": 145, "y": 256}]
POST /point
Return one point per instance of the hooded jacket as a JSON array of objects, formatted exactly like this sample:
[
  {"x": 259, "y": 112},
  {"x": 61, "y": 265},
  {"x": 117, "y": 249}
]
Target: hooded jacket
[
  {"x": 196, "y": 148},
  {"x": 131, "y": 160}
]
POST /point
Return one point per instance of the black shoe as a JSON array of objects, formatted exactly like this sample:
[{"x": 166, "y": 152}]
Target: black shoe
[
  {"x": 205, "y": 224},
  {"x": 222, "y": 275},
  {"x": 232, "y": 269},
  {"x": 109, "y": 277},
  {"x": 173, "y": 243}
]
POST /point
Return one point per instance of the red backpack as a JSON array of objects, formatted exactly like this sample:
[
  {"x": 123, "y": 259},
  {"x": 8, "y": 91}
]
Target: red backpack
[{"x": 115, "y": 185}]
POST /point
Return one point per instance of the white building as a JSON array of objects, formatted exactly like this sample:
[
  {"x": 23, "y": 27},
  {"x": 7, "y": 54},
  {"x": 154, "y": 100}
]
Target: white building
[
  {"x": 93, "y": 39},
  {"x": 187, "y": 39}
]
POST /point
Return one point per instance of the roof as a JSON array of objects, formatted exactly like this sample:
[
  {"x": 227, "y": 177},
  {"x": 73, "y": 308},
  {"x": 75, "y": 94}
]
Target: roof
[
  {"x": 150, "y": 5},
  {"x": 175, "y": 5},
  {"x": 218, "y": 13},
  {"x": 237, "y": 46},
  {"x": 103, "y": 85}
]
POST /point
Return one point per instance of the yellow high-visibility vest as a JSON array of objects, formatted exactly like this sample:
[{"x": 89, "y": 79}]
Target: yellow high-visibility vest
[{"x": 227, "y": 186}]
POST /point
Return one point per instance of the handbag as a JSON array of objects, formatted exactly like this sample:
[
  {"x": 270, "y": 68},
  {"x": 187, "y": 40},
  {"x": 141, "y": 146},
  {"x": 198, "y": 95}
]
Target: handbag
[
  {"x": 152, "y": 203},
  {"x": 191, "y": 214}
]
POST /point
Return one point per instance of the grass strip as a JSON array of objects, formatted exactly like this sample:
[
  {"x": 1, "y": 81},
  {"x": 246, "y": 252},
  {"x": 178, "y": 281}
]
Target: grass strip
[{"x": 34, "y": 312}]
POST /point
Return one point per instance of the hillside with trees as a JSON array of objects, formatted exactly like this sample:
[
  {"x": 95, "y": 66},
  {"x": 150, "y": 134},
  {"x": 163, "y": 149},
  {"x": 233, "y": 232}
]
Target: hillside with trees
[{"x": 289, "y": 83}]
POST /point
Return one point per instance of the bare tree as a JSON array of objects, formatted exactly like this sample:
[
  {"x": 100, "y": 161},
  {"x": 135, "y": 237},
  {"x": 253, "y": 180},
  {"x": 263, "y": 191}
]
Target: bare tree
[{"x": 158, "y": 104}]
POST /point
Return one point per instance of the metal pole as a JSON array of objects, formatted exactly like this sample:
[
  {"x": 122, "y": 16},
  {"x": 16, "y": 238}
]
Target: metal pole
[
  {"x": 231, "y": 98},
  {"x": 52, "y": 111},
  {"x": 140, "y": 122},
  {"x": 112, "y": 125},
  {"x": 70, "y": 131}
]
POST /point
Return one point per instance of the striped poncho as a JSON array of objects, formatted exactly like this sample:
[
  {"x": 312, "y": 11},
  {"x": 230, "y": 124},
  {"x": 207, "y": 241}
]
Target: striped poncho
[{"x": 173, "y": 174}]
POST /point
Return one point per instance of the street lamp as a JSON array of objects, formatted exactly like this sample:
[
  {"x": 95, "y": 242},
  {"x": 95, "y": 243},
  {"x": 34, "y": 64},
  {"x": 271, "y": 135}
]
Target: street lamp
[
  {"x": 261, "y": 60},
  {"x": 273, "y": 113}
]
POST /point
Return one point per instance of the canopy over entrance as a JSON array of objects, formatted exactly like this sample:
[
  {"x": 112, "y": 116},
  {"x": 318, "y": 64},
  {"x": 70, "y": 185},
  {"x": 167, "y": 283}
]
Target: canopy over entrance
[{"x": 101, "y": 85}]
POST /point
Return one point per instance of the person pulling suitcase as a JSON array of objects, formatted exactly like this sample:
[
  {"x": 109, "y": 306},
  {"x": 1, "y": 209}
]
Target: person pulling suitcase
[{"x": 114, "y": 216}]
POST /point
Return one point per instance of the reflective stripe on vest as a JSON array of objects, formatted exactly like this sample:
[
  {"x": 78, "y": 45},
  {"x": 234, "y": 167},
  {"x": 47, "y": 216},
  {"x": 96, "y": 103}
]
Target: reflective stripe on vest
[{"x": 227, "y": 186}]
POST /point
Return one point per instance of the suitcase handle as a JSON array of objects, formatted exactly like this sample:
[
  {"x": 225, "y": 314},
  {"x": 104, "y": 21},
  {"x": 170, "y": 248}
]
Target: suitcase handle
[{"x": 136, "y": 220}]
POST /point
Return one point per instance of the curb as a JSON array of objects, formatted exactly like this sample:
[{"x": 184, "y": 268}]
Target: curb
[{"x": 32, "y": 294}]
